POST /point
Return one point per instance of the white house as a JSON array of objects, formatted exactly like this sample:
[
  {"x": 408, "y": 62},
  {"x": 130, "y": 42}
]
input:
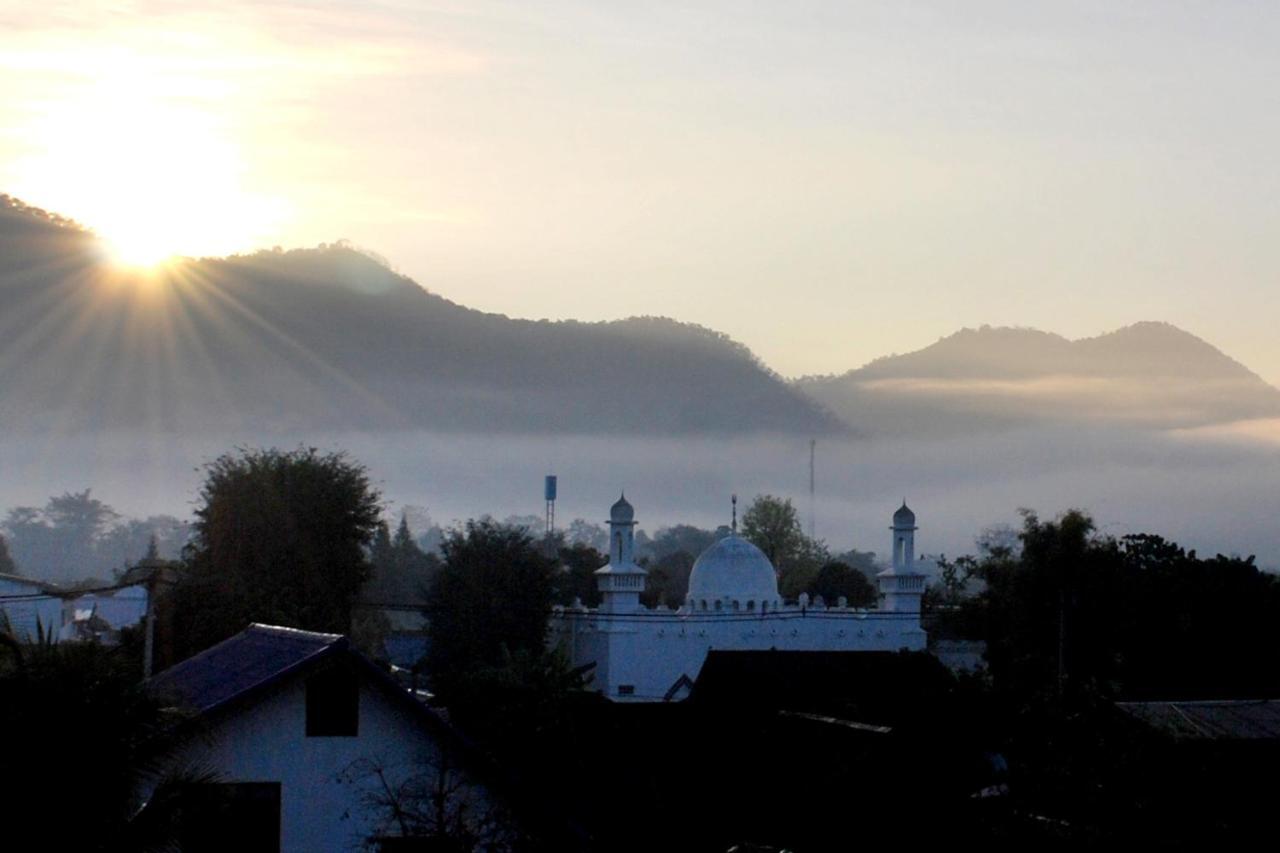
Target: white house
[
  {"x": 64, "y": 614},
  {"x": 304, "y": 736},
  {"x": 643, "y": 654},
  {"x": 29, "y": 607}
]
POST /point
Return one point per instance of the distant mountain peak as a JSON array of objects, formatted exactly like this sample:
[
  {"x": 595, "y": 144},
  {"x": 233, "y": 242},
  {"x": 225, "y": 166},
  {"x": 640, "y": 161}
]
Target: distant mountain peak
[{"x": 1151, "y": 373}]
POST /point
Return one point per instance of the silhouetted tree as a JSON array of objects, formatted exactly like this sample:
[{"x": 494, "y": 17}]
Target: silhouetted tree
[
  {"x": 575, "y": 579},
  {"x": 683, "y": 537},
  {"x": 380, "y": 551},
  {"x": 491, "y": 598},
  {"x": 668, "y": 580},
  {"x": 82, "y": 705},
  {"x": 835, "y": 580},
  {"x": 863, "y": 561},
  {"x": 7, "y": 566},
  {"x": 401, "y": 570},
  {"x": 280, "y": 538}
]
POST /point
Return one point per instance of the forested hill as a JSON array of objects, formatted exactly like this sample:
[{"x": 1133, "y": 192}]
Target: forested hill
[
  {"x": 330, "y": 338},
  {"x": 1148, "y": 375}
]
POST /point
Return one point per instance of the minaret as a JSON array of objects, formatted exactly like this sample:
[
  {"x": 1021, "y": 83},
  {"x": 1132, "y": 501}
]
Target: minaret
[
  {"x": 621, "y": 581},
  {"x": 904, "y": 538},
  {"x": 901, "y": 586}
]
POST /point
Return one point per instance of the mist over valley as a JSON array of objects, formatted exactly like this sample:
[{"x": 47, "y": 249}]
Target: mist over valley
[{"x": 126, "y": 382}]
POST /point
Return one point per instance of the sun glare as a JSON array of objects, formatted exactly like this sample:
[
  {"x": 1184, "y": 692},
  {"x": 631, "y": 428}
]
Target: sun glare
[{"x": 154, "y": 175}]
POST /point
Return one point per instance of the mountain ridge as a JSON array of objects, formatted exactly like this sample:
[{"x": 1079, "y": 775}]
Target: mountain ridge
[
  {"x": 334, "y": 338},
  {"x": 1149, "y": 374},
  {"x": 1157, "y": 338},
  {"x": 331, "y": 338}
]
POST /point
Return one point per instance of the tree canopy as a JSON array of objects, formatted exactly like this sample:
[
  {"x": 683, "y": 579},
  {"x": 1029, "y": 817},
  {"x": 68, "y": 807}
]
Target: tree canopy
[
  {"x": 1071, "y": 613},
  {"x": 773, "y": 525},
  {"x": 280, "y": 537},
  {"x": 836, "y": 580},
  {"x": 491, "y": 598},
  {"x": 7, "y": 566},
  {"x": 401, "y": 571}
]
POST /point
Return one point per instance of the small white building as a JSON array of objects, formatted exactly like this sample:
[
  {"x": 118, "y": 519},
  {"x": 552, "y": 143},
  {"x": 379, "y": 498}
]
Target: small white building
[
  {"x": 102, "y": 611},
  {"x": 64, "y": 614},
  {"x": 29, "y": 608},
  {"x": 306, "y": 739},
  {"x": 652, "y": 654}
]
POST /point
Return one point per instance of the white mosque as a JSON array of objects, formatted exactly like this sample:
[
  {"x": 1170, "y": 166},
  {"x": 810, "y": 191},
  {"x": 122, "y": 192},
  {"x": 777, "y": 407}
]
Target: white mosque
[{"x": 653, "y": 654}]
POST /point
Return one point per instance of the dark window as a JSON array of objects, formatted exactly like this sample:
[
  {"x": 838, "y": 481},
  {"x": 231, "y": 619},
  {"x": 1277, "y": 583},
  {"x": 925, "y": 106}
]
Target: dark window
[
  {"x": 626, "y": 690},
  {"x": 333, "y": 703},
  {"x": 244, "y": 817}
]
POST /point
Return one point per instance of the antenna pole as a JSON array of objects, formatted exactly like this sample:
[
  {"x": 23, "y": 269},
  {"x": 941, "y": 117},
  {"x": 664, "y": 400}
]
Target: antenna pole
[{"x": 813, "y": 503}]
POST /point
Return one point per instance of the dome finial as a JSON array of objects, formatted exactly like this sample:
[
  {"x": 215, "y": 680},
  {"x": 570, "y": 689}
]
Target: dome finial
[{"x": 734, "y": 500}]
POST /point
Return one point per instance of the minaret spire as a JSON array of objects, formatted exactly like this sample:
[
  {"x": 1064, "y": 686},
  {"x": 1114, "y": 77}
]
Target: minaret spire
[{"x": 734, "y": 501}]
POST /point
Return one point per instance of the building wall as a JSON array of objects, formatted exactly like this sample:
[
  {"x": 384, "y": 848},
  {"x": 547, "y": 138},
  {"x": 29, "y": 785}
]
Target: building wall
[
  {"x": 321, "y": 783},
  {"x": 650, "y": 649},
  {"x": 22, "y": 615},
  {"x": 120, "y": 608}
]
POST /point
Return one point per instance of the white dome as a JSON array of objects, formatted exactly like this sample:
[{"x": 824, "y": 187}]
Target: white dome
[{"x": 735, "y": 570}]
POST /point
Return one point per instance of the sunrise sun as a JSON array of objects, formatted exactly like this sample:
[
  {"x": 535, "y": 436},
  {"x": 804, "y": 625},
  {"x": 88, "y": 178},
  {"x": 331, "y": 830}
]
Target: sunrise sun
[{"x": 154, "y": 176}]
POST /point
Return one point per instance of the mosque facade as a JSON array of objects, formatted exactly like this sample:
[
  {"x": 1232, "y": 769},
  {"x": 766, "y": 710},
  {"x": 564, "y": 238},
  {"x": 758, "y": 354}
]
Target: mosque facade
[{"x": 654, "y": 654}]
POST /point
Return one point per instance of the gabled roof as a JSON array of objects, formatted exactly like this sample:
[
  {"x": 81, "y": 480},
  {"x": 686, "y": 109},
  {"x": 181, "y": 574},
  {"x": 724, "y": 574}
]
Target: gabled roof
[
  {"x": 1210, "y": 720},
  {"x": 253, "y": 660},
  {"x": 43, "y": 586}
]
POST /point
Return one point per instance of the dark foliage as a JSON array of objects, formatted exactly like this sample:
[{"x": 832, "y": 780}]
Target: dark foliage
[
  {"x": 682, "y": 537},
  {"x": 280, "y": 539},
  {"x": 7, "y": 566},
  {"x": 1074, "y": 621},
  {"x": 401, "y": 572},
  {"x": 575, "y": 580},
  {"x": 1137, "y": 617},
  {"x": 667, "y": 583},
  {"x": 836, "y": 580},
  {"x": 490, "y": 599},
  {"x": 80, "y": 736}
]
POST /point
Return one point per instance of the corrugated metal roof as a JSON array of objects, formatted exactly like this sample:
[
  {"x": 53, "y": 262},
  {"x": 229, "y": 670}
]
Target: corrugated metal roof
[
  {"x": 1210, "y": 720},
  {"x": 254, "y": 658}
]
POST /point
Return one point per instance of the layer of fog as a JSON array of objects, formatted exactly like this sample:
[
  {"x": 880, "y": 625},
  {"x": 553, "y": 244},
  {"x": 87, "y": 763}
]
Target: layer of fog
[{"x": 1213, "y": 491}]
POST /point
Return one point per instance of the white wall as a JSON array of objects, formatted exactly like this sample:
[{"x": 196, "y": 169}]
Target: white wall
[
  {"x": 120, "y": 608},
  {"x": 651, "y": 649},
  {"x": 23, "y": 614}
]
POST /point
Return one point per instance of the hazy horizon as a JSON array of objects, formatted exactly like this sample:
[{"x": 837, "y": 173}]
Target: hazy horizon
[{"x": 1128, "y": 481}]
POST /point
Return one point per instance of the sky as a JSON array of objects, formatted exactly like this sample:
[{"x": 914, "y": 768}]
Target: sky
[{"x": 825, "y": 182}]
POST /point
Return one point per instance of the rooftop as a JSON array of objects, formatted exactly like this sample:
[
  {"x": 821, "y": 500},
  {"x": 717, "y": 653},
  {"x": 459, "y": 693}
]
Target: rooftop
[
  {"x": 1210, "y": 720},
  {"x": 255, "y": 658}
]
